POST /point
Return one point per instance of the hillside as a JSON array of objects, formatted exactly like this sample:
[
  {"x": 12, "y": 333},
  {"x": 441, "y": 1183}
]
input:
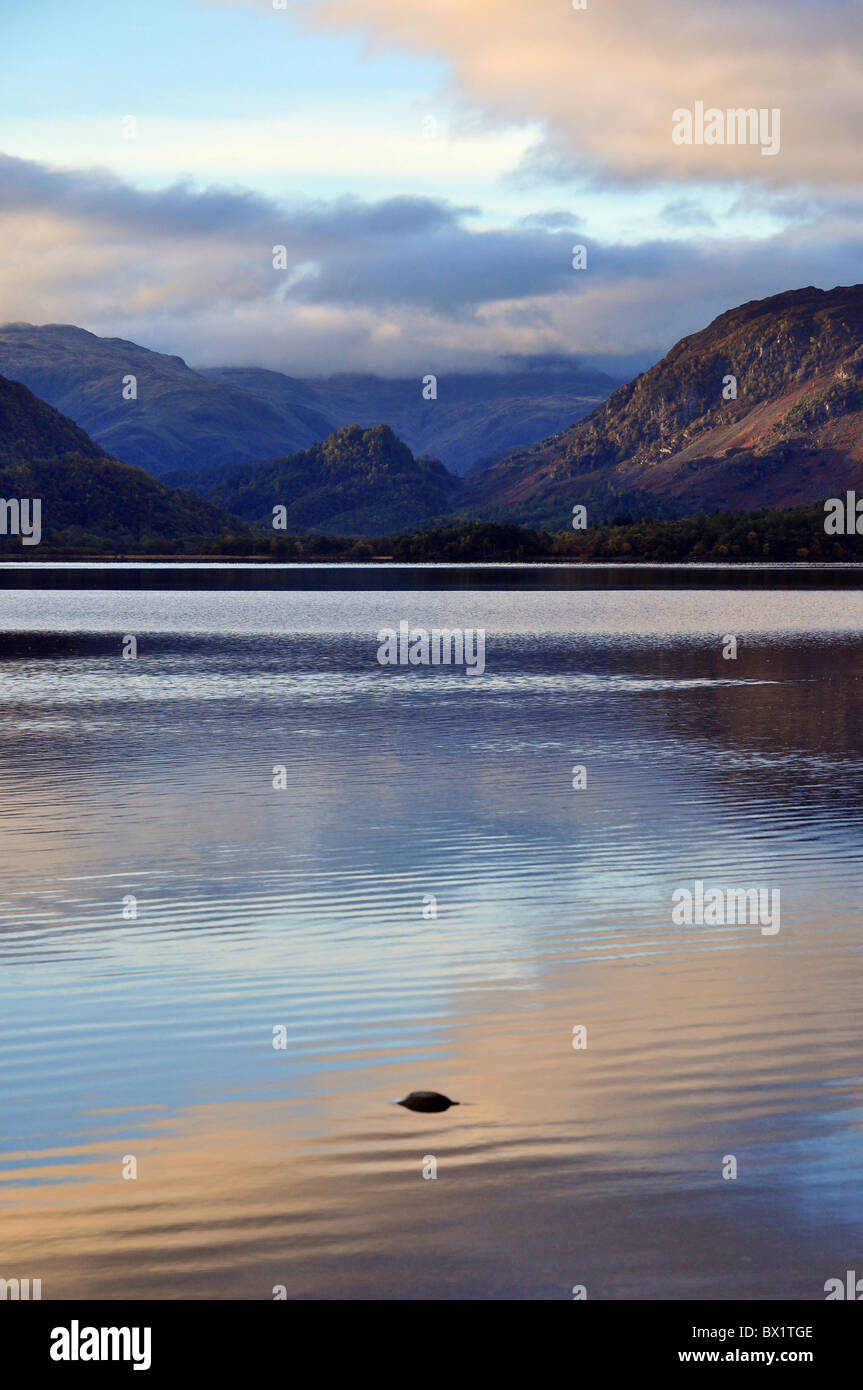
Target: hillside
[
  {"x": 180, "y": 419},
  {"x": 185, "y": 421},
  {"x": 477, "y": 418},
  {"x": 88, "y": 498},
  {"x": 669, "y": 444},
  {"x": 666, "y": 445},
  {"x": 356, "y": 482}
]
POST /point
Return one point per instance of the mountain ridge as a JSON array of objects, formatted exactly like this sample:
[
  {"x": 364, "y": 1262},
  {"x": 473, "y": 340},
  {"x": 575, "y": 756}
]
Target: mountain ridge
[
  {"x": 476, "y": 418},
  {"x": 674, "y": 442},
  {"x": 179, "y": 419},
  {"x": 356, "y": 482},
  {"x": 669, "y": 441},
  {"x": 188, "y": 419},
  {"x": 89, "y": 499}
]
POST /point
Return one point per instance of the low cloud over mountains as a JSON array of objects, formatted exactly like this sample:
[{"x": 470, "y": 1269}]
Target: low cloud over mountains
[{"x": 404, "y": 284}]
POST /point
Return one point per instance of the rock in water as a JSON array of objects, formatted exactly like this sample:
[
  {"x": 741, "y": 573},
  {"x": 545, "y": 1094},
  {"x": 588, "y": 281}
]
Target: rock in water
[{"x": 430, "y": 1102}]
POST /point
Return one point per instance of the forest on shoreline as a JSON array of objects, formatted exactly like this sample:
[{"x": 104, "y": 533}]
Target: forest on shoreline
[{"x": 780, "y": 534}]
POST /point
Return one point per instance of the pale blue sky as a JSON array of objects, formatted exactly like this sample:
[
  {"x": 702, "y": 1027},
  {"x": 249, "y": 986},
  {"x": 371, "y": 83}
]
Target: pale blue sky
[{"x": 314, "y": 114}]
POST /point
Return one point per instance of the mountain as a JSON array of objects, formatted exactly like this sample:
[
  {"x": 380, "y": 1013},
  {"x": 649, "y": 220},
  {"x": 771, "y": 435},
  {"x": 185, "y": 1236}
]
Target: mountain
[
  {"x": 674, "y": 442},
  {"x": 356, "y": 482},
  {"x": 669, "y": 444},
  {"x": 185, "y": 421},
  {"x": 477, "y": 417},
  {"x": 31, "y": 429},
  {"x": 89, "y": 499},
  {"x": 180, "y": 419}
]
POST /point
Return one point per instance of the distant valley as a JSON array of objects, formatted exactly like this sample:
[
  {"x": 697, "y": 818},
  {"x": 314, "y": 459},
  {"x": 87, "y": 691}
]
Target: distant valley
[
  {"x": 763, "y": 408},
  {"x": 185, "y": 421}
]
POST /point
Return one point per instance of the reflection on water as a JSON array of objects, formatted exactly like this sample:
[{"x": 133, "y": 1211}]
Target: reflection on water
[{"x": 303, "y": 909}]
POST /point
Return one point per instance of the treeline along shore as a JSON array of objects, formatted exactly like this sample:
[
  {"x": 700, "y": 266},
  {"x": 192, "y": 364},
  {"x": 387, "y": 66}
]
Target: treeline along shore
[{"x": 769, "y": 535}]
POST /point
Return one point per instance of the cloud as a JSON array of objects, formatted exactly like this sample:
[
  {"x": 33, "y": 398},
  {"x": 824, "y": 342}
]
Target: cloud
[
  {"x": 182, "y": 209},
  {"x": 181, "y": 245},
  {"x": 605, "y": 80},
  {"x": 556, "y": 220},
  {"x": 399, "y": 285},
  {"x": 683, "y": 212},
  {"x": 98, "y": 194}
]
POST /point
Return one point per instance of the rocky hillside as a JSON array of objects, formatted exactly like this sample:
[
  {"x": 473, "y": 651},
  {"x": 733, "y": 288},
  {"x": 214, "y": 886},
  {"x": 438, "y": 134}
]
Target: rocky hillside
[
  {"x": 356, "y": 482},
  {"x": 676, "y": 441}
]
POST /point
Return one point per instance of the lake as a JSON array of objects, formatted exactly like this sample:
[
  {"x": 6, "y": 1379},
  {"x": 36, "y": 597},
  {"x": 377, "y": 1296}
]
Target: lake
[{"x": 220, "y": 984}]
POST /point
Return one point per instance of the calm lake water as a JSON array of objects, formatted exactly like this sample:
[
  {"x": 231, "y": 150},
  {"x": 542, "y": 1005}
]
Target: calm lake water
[{"x": 302, "y": 909}]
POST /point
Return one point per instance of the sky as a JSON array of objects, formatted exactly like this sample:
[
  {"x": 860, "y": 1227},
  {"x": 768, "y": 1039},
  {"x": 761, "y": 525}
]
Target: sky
[{"x": 428, "y": 168}]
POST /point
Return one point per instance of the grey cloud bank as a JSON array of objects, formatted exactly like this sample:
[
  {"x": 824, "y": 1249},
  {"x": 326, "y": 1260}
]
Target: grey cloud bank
[{"x": 399, "y": 285}]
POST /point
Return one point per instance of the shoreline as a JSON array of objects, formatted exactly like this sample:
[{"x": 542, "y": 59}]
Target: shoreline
[{"x": 387, "y": 574}]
